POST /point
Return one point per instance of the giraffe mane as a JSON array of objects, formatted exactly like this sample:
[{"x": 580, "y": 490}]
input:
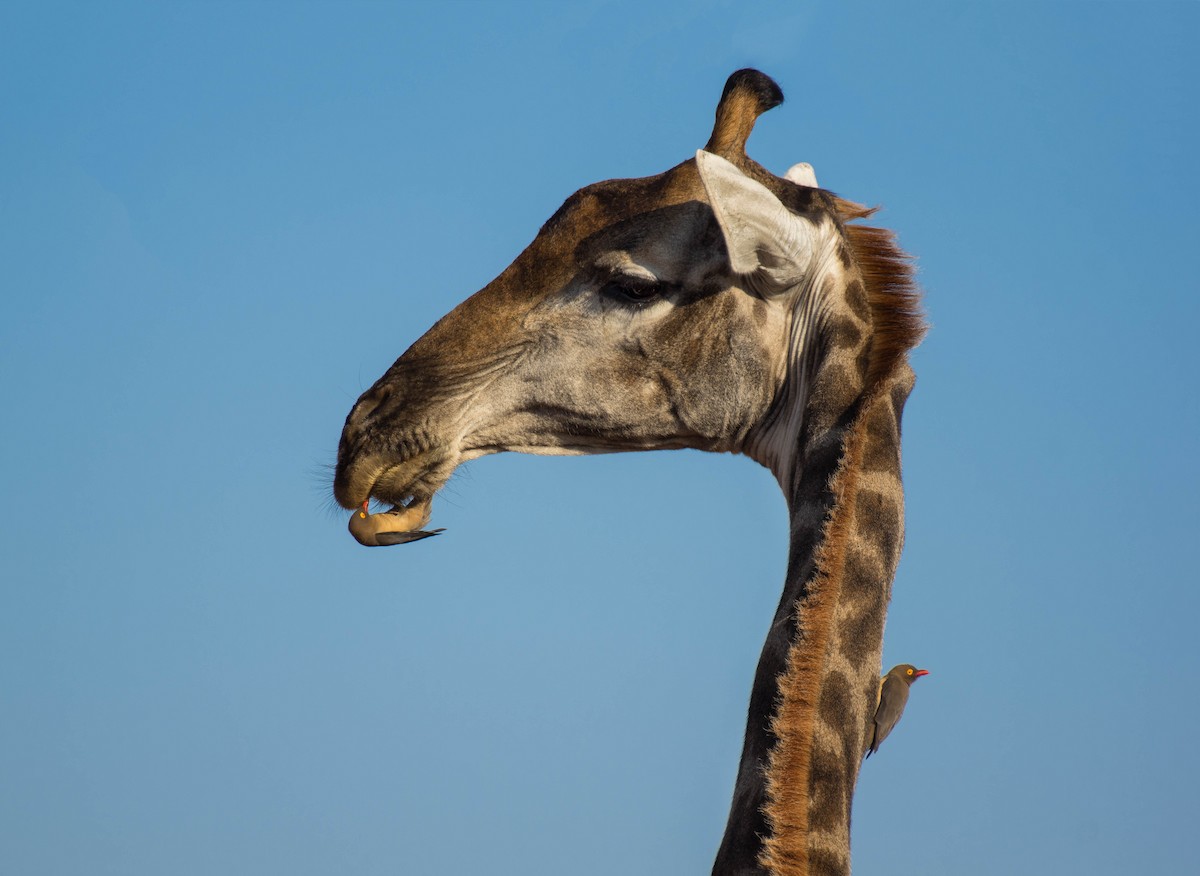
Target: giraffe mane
[{"x": 889, "y": 275}]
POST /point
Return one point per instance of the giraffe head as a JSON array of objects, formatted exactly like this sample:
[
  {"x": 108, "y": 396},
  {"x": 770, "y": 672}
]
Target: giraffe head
[{"x": 677, "y": 310}]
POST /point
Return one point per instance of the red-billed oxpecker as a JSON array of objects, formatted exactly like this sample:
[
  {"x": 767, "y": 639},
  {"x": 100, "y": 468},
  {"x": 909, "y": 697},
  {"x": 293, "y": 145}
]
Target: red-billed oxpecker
[
  {"x": 399, "y": 525},
  {"x": 893, "y": 696}
]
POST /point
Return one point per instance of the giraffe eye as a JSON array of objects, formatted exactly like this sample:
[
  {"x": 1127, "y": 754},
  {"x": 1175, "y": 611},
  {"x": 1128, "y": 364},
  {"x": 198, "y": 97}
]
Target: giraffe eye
[{"x": 631, "y": 291}]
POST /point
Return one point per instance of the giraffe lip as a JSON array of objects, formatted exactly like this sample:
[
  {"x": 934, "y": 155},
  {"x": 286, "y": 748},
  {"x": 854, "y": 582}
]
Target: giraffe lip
[{"x": 409, "y": 481}]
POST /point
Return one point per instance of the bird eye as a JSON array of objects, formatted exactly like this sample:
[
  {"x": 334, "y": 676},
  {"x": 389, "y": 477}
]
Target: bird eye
[
  {"x": 634, "y": 293},
  {"x": 909, "y": 671}
]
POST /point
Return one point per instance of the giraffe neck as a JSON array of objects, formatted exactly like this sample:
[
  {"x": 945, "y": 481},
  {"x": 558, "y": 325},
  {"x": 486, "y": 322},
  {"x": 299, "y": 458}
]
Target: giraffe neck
[
  {"x": 840, "y": 570},
  {"x": 820, "y": 664}
]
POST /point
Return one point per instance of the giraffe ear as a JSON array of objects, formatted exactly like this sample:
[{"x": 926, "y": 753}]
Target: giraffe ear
[
  {"x": 802, "y": 174},
  {"x": 767, "y": 243}
]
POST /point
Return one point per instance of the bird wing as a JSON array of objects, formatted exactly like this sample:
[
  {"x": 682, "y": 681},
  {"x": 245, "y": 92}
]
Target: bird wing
[
  {"x": 389, "y": 538},
  {"x": 893, "y": 695}
]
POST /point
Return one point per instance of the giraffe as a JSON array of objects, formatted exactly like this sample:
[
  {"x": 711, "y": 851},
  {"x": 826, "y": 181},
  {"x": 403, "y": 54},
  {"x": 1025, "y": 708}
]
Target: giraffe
[{"x": 720, "y": 307}]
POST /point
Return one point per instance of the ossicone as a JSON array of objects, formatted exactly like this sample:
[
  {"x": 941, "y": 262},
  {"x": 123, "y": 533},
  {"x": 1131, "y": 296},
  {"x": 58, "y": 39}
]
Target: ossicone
[{"x": 748, "y": 94}]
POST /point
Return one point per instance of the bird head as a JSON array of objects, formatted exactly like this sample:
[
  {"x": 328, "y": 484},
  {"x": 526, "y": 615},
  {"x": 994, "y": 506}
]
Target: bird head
[{"x": 908, "y": 672}]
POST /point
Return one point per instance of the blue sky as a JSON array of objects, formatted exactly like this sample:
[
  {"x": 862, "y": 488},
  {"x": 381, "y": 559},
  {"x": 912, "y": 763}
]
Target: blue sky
[{"x": 219, "y": 223}]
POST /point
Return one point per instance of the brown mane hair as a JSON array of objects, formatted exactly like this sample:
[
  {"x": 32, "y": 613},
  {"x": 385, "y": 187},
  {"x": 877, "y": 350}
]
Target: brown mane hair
[{"x": 890, "y": 277}]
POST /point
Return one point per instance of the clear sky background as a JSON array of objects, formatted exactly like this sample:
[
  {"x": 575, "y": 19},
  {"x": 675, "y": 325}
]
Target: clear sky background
[{"x": 219, "y": 223}]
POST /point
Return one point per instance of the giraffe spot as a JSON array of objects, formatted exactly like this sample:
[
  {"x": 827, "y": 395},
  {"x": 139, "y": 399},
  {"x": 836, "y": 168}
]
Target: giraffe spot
[
  {"x": 826, "y": 862},
  {"x": 880, "y": 451},
  {"x": 856, "y": 297},
  {"x": 845, "y": 333},
  {"x": 881, "y": 520},
  {"x": 827, "y": 778},
  {"x": 837, "y": 385},
  {"x": 862, "y": 634},
  {"x": 835, "y": 701},
  {"x": 861, "y": 572}
]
